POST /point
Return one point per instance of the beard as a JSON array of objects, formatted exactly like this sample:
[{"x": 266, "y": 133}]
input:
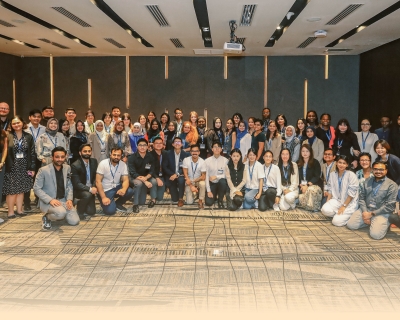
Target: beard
[
  {"x": 86, "y": 156},
  {"x": 115, "y": 160}
]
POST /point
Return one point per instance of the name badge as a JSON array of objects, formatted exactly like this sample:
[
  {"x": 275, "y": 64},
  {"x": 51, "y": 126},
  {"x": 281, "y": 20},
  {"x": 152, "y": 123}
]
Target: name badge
[
  {"x": 265, "y": 188},
  {"x": 372, "y": 204},
  {"x": 303, "y": 182},
  {"x": 325, "y": 188},
  {"x": 160, "y": 174},
  {"x": 202, "y": 146},
  {"x": 180, "y": 164},
  {"x": 220, "y": 171},
  {"x": 103, "y": 151},
  {"x": 113, "y": 185},
  {"x": 148, "y": 166},
  {"x": 19, "y": 155},
  {"x": 70, "y": 156}
]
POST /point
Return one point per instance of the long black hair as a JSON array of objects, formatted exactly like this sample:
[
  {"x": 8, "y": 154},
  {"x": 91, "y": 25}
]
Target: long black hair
[
  {"x": 240, "y": 165},
  {"x": 280, "y": 162}
]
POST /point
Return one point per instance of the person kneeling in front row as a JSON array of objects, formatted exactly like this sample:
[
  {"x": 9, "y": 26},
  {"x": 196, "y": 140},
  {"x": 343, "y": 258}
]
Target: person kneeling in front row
[
  {"x": 342, "y": 190},
  {"x": 112, "y": 181},
  {"x": 54, "y": 189},
  {"x": 377, "y": 203}
]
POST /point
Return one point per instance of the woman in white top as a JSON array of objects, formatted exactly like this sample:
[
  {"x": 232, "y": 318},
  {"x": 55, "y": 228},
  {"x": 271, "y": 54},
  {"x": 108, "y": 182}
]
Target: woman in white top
[
  {"x": 343, "y": 188},
  {"x": 47, "y": 141},
  {"x": 98, "y": 140},
  {"x": 273, "y": 140},
  {"x": 316, "y": 144},
  {"x": 289, "y": 180},
  {"x": 89, "y": 123},
  {"x": 254, "y": 181},
  {"x": 243, "y": 139},
  {"x": 271, "y": 184},
  {"x": 366, "y": 140},
  {"x": 292, "y": 143}
]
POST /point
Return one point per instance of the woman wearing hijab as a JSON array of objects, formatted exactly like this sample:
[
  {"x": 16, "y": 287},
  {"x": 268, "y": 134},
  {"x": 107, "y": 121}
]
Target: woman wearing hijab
[
  {"x": 47, "y": 141},
  {"x": 315, "y": 143},
  {"x": 170, "y": 135},
  {"x": 135, "y": 135},
  {"x": 98, "y": 140},
  {"x": 243, "y": 138},
  {"x": 79, "y": 138},
  {"x": 119, "y": 138},
  {"x": 292, "y": 143},
  {"x": 216, "y": 133}
]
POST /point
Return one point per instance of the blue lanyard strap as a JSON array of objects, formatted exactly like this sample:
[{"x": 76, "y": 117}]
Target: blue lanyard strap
[
  {"x": 328, "y": 134},
  {"x": 54, "y": 143},
  {"x": 119, "y": 138},
  {"x": 339, "y": 143},
  {"x": 37, "y": 133},
  {"x": 19, "y": 141},
  {"x": 340, "y": 179},
  {"x": 194, "y": 170},
  {"x": 305, "y": 171},
  {"x": 376, "y": 189},
  {"x": 87, "y": 172},
  {"x": 267, "y": 175},
  {"x": 101, "y": 141},
  {"x": 364, "y": 140},
  {"x": 328, "y": 171},
  {"x": 116, "y": 168},
  {"x": 252, "y": 170},
  {"x": 286, "y": 172}
]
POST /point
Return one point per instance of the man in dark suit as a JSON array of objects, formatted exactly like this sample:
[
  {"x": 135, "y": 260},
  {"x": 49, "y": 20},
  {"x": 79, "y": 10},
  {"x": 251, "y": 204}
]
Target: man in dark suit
[
  {"x": 159, "y": 156},
  {"x": 172, "y": 167},
  {"x": 84, "y": 181}
]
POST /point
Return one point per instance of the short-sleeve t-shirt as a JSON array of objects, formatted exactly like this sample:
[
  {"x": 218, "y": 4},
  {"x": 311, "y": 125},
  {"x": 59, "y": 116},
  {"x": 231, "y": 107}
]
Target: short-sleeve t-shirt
[
  {"x": 111, "y": 175},
  {"x": 256, "y": 139},
  {"x": 198, "y": 167}
]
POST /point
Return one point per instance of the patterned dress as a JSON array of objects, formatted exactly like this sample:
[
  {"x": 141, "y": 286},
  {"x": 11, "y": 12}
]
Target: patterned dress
[{"x": 17, "y": 180}]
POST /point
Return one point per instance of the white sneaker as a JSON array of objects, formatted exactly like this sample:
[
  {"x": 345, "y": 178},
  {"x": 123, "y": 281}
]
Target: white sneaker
[
  {"x": 1, "y": 220},
  {"x": 276, "y": 207}
]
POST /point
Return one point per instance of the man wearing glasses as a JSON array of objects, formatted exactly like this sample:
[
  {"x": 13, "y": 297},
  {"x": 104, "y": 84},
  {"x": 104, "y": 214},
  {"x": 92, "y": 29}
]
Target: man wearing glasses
[
  {"x": 172, "y": 167},
  {"x": 194, "y": 171},
  {"x": 159, "y": 154},
  {"x": 178, "y": 120},
  {"x": 327, "y": 168},
  {"x": 4, "y": 112},
  {"x": 142, "y": 175},
  {"x": 377, "y": 202}
]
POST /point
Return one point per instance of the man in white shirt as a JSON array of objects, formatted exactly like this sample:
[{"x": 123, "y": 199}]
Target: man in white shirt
[
  {"x": 216, "y": 184},
  {"x": 194, "y": 170},
  {"x": 70, "y": 115},
  {"x": 35, "y": 129},
  {"x": 112, "y": 181}
]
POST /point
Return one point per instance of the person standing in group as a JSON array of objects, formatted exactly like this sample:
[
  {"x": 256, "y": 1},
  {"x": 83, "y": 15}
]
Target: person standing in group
[
  {"x": 366, "y": 140},
  {"x": 202, "y": 140},
  {"x": 178, "y": 114},
  {"x": 215, "y": 133},
  {"x": 53, "y": 186},
  {"x": 83, "y": 178},
  {"x": 98, "y": 140},
  {"x": 135, "y": 136},
  {"x": 289, "y": 180},
  {"x": 48, "y": 141},
  {"x": 172, "y": 167},
  {"x": 70, "y": 115},
  {"x": 79, "y": 138},
  {"x": 237, "y": 117},
  {"x": 243, "y": 139},
  {"x": 116, "y": 113},
  {"x": 194, "y": 171},
  {"x": 164, "y": 120},
  {"x": 382, "y": 149},
  {"x": 20, "y": 166},
  {"x": 107, "y": 120},
  {"x": 64, "y": 128},
  {"x": 5, "y": 120},
  {"x": 266, "y": 115},
  {"x": 258, "y": 139},
  {"x": 316, "y": 144},
  {"x": 112, "y": 182},
  {"x": 154, "y": 132},
  {"x": 384, "y": 133},
  {"x": 230, "y": 138},
  {"x": 35, "y": 129},
  {"x": 292, "y": 143},
  {"x": 89, "y": 123},
  {"x": 342, "y": 190},
  {"x": 250, "y": 124},
  {"x": 188, "y": 135},
  {"x": 3, "y": 156},
  {"x": 377, "y": 203},
  {"x": 216, "y": 184},
  {"x": 170, "y": 135},
  {"x": 150, "y": 117},
  {"x": 271, "y": 188},
  {"x": 301, "y": 129},
  {"x": 345, "y": 142},
  {"x": 273, "y": 140},
  {"x": 281, "y": 124},
  {"x": 47, "y": 114},
  {"x": 159, "y": 155},
  {"x": 310, "y": 183},
  {"x": 126, "y": 118},
  {"x": 144, "y": 125},
  {"x": 325, "y": 132},
  {"x": 193, "y": 117},
  {"x": 119, "y": 138},
  {"x": 327, "y": 167},
  {"x": 312, "y": 119},
  {"x": 236, "y": 177},
  {"x": 254, "y": 182},
  {"x": 395, "y": 133},
  {"x": 142, "y": 177},
  {"x": 366, "y": 171}
]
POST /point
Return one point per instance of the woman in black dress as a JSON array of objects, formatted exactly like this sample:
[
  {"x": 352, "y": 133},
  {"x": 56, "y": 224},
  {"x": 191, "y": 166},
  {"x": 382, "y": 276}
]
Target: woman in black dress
[
  {"x": 20, "y": 166},
  {"x": 345, "y": 139}
]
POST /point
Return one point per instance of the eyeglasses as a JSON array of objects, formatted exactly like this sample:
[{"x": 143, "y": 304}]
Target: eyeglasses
[
  {"x": 365, "y": 160},
  {"x": 142, "y": 145},
  {"x": 178, "y": 142},
  {"x": 328, "y": 154},
  {"x": 365, "y": 124},
  {"x": 378, "y": 170},
  {"x": 178, "y": 113}
]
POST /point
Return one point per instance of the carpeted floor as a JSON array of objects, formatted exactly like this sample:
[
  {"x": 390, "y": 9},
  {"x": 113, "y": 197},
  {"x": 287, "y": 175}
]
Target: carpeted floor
[{"x": 170, "y": 258}]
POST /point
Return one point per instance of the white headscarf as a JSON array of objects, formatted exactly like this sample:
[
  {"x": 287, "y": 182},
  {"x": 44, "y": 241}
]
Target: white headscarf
[
  {"x": 140, "y": 133},
  {"x": 101, "y": 133},
  {"x": 289, "y": 139}
]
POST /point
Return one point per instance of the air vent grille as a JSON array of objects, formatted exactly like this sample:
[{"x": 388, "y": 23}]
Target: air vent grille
[
  {"x": 54, "y": 43},
  {"x": 241, "y": 40},
  {"x": 351, "y": 8},
  {"x": 176, "y": 42},
  {"x": 158, "y": 15},
  {"x": 6, "y": 24},
  {"x": 306, "y": 42},
  {"x": 71, "y": 16},
  {"x": 115, "y": 43},
  {"x": 247, "y": 14}
]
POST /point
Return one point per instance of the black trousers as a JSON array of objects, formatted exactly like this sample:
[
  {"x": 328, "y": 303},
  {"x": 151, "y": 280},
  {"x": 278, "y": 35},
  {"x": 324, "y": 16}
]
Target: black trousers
[
  {"x": 218, "y": 190},
  {"x": 27, "y": 199},
  {"x": 177, "y": 188},
  {"x": 86, "y": 203},
  {"x": 267, "y": 199},
  {"x": 394, "y": 219}
]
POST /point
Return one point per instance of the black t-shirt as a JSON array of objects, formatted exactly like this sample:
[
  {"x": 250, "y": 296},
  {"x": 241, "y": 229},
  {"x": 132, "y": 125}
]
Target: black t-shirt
[
  {"x": 60, "y": 183},
  {"x": 256, "y": 139}
]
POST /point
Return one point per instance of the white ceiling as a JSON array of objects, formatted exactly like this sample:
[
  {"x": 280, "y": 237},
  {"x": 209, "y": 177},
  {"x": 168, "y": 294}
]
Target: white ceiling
[{"x": 183, "y": 25}]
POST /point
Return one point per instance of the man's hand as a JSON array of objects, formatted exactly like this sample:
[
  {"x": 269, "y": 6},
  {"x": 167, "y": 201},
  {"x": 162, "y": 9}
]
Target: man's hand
[
  {"x": 341, "y": 210},
  {"x": 188, "y": 182},
  {"x": 366, "y": 216},
  {"x": 121, "y": 192},
  {"x": 193, "y": 188},
  {"x": 303, "y": 189},
  {"x": 159, "y": 182},
  {"x": 148, "y": 184},
  {"x": 93, "y": 190},
  {"x": 69, "y": 204},
  {"x": 212, "y": 178},
  {"x": 105, "y": 201},
  {"x": 55, "y": 203},
  {"x": 173, "y": 177},
  {"x": 210, "y": 195}
]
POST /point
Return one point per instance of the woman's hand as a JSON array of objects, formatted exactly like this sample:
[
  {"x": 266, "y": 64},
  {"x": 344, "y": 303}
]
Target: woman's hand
[{"x": 258, "y": 195}]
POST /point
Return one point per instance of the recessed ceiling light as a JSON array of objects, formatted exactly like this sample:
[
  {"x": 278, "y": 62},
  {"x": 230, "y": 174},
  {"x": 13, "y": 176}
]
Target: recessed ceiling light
[
  {"x": 279, "y": 27},
  {"x": 314, "y": 19}
]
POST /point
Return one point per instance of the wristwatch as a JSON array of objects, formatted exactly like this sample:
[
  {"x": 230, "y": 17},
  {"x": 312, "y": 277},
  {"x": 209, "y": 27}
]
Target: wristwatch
[{"x": 344, "y": 205}]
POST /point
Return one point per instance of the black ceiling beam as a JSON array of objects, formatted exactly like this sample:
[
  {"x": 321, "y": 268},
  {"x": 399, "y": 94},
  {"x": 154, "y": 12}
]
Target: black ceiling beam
[
  {"x": 200, "y": 8},
  {"x": 44, "y": 23},
  {"x": 119, "y": 21},
  {"x": 19, "y": 42}
]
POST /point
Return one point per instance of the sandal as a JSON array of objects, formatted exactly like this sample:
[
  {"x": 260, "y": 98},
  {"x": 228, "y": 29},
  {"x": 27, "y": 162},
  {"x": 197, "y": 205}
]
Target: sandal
[
  {"x": 22, "y": 214},
  {"x": 12, "y": 216}
]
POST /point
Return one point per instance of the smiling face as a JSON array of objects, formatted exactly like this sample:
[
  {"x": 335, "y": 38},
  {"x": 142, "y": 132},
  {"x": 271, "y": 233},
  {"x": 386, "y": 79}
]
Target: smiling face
[
  {"x": 365, "y": 163},
  {"x": 311, "y": 117},
  {"x": 164, "y": 119},
  {"x": 365, "y": 125},
  {"x": 272, "y": 126},
  {"x": 142, "y": 120},
  {"x": 325, "y": 121},
  {"x": 380, "y": 150},
  {"x": 171, "y": 126},
  {"x": 218, "y": 124},
  {"x": 285, "y": 155},
  {"x": 289, "y": 132},
  {"x": 193, "y": 118},
  {"x": 186, "y": 128},
  {"x": 151, "y": 116},
  {"x": 136, "y": 129},
  {"x": 305, "y": 153},
  {"x": 127, "y": 122},
  {"x": 35, "y": 119},
  {"x": 65, "y": 126},
  {"x": 236, "y": 119},
  {"x": 16, "y": 124},
  {"x": 90, "y": 118},
  {"x": 242, "y": 127},
  {"x": 268, "y": 158},
  {"x": 80, "y": 127},
  {"x": 343, "y": 127},
  {"x": 300, "y": 124},
  {"x": 281, "y": 121},
  {"x": 379, "y": 170},
  {"x": 310, "y": 133},
  {"x": 250, "y": 122},
  {"x": 341, "y": 165},
  {"x": 251, "y": 156},
  {"x": 229, "y": 124},
  {"x": 99, "y": 127},
  {"x": 107, "y": 120},
  {"x": 201, "y": 123},
  {"x": 53, "y": 125},
  {"x": 266, "y": 113}
]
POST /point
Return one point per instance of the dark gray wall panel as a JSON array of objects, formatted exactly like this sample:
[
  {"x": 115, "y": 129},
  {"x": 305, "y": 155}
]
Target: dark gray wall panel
[
  {"x": 71, "y": 84},
  {"x": 7, "y": 68},
  {"x": 338, "y": 95}
]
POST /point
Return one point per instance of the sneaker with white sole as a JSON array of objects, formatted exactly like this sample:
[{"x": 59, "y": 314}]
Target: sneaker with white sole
[
  {"x": 1, "y": 220},
  {"x": 276, "y": 207},
  {"x": 46, "y": 223}
]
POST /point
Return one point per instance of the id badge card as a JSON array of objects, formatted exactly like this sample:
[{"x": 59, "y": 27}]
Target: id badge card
[
  {"x": 19, "y": 155},
  {"x": 148, "y": 166},
  {"x": 113, "y": 185},
  {"x": 220, "y": 171},
  {"x": 304, "y": 182},
  {"x": 202, "y": 146},
  {"x": 325, "y": 187},
  {"x": 372, "y": 204},
  {"x": 160, "y": 174},
  {"x": 70, "y": 156},
  {"x": 180, "y": 164},
  {"x": 103, "y": 151}
]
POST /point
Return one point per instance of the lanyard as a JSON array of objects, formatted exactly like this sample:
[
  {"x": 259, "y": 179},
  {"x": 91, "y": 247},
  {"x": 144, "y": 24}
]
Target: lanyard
[
  {"x": 19, "y": 142},
  {"x": 160, "y": 162},
  {"x": 179, "y": 127},
  {"x": 328, "y": 172},
  {"x": 220, "y": 137},
  {"x": 91, "y": 127},
  {"x": 119, "y": 138},
  {"x": 116, "y": 168},
  {"x": 364, "y": 140},
  {"x": 105, "y": 128},
  {"x": 339, "y": 143},
  {"x": 54, "y": 143},
  {"x": 5, "y": 123},
  {"x": 267, "y": 175},
  {"x": 101, "y": 141},
  {"x": 194, "y": 170},
  {"x": 87, "y": 172},
  {"x": 269, "y": 143},
  {"x": 328, "y": 134},
  {"x": 286, "y": 172},
  {"x": 340, "y": 182},
  {"x": 37, "y": 133},
  {"x": 305, "y": 171},
  {"x": 252, "y": 170},
  {"x": 376, "y": 189}
]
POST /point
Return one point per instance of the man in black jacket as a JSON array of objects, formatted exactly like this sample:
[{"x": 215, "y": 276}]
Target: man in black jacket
[
  {"x": 159, "y": 156},
  {"x": 83, "y": 176}
]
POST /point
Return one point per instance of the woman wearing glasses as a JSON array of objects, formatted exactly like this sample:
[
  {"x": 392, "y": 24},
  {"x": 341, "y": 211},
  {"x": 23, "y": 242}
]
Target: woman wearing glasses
[
  {"x": 366, "y": 140},
  {"x": 366, "y": 171},
  {"x": 382, "y": 149}
]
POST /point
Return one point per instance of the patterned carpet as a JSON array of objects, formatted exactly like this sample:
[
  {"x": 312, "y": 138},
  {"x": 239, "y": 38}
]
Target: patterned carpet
[{"x": 172, "y": 259}]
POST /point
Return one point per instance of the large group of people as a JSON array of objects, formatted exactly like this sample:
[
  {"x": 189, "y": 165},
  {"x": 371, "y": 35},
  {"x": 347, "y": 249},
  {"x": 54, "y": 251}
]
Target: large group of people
[{"x": 255, "y": 163}]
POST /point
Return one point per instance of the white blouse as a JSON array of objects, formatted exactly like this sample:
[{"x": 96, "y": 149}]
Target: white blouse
[
  {"x": 294, "y": 178},
  {"x": 349, "y": 186},
  {"x": 370, "y": 139},
  {"x": 254, "y": 174},
  {"x": 272, "y": 178}
]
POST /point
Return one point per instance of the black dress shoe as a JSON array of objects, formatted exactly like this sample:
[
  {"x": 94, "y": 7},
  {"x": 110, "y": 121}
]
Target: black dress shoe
[
  {"x": 221, "y": 205},
  {"x": 135, "y": 208},
  {"x": 151, "y": 204},
  {"x": 27, "y": 208}
]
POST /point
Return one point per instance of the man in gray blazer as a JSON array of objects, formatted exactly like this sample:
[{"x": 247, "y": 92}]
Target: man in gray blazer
[
  {"x": 377, "y": 203},
  {"x": 54, "y": 188}
]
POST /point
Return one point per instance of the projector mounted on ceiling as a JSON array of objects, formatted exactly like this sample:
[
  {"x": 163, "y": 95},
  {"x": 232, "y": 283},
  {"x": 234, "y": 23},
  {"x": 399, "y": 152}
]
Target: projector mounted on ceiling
[
  {"x": 233, "y": 46},
  {"x": 320, "y": 34}
]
